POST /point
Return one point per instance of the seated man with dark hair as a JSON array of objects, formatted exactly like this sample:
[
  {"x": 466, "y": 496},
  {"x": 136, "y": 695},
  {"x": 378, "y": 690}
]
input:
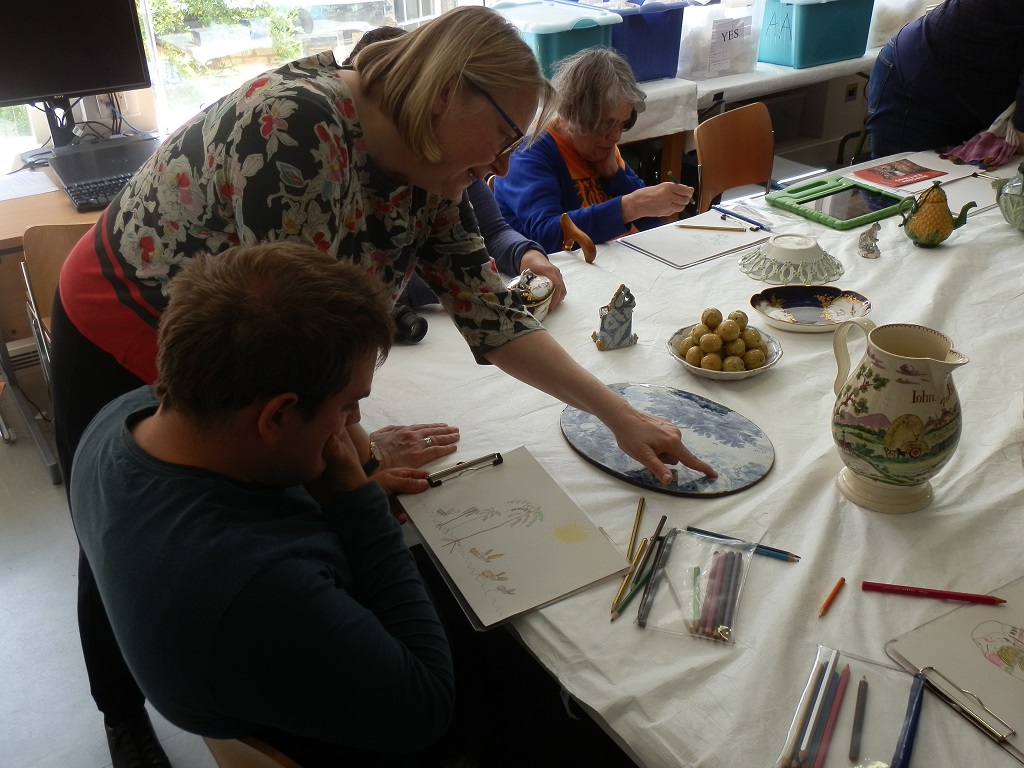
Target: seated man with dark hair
[{"x": 256, "y": 581}]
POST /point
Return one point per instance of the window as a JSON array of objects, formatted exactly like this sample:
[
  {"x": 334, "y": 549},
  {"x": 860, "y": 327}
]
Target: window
[{"x": 200, "y": 50}]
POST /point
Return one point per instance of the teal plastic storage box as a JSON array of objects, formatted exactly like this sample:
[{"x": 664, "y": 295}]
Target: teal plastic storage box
[
  {"x": 648, "y": 38},
  {"x": 555, "y": 29},
  {"x": 807, "y": 33}
]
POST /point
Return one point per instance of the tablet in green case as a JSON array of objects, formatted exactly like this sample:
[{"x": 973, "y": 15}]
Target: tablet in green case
[{"x": 837, "y": 202}]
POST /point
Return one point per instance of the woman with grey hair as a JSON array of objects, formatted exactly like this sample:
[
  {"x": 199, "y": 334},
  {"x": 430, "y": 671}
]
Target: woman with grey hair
[{"x": 574, "y": 165}]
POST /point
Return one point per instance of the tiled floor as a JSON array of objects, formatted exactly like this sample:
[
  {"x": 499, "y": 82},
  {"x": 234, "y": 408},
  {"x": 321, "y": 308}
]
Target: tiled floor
[{"x": 47, "y": 717}]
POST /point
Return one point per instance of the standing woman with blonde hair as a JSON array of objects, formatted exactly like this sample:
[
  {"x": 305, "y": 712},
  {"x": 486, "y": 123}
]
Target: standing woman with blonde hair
[{"x": 368, "y": 164}]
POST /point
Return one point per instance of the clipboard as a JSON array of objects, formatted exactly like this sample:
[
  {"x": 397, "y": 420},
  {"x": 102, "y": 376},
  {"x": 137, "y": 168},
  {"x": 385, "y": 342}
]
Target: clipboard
[
  {"x": 973, "y": 660},
  {"x": 507, "y": 538},
  {"x": 692, "y": 241}
]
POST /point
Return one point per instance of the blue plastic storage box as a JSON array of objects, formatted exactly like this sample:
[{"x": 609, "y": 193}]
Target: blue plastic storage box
[
  {"x": 555, "y": 29},
  {"x": 807, "y": 33},
  {"x": 648, "y": 38}
]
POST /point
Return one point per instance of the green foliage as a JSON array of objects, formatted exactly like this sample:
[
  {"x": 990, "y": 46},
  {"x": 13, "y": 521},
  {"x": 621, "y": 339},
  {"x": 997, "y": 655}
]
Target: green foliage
[{"x": 14, "y": 121}]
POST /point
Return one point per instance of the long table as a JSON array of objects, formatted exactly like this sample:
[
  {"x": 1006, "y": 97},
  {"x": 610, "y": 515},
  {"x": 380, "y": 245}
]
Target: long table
[{"x": 675, "y": 700}]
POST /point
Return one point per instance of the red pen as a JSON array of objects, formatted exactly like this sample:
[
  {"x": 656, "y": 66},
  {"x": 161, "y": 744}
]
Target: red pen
[{"x": 939, "y": 594}]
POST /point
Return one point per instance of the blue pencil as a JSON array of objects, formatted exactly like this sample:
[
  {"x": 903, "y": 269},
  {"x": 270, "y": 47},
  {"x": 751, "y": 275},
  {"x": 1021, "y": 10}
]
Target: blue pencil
[{"x": 759, "y": 549}]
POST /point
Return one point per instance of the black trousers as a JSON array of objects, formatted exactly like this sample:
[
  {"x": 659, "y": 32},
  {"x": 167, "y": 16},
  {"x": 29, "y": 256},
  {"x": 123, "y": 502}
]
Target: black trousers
[{"x": 85, "y": 378}]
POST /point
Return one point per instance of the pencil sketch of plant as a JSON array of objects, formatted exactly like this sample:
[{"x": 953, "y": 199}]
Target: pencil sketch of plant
[
  {"x": 487, "y": 556},
  {"x": 492, "y": 576},
  {"x": 519, "y": 513}
]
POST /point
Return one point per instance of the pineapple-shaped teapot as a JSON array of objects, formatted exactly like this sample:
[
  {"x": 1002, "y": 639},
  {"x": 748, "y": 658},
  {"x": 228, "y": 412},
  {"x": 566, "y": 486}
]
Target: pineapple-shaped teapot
[{"x": 927, "y": 219}]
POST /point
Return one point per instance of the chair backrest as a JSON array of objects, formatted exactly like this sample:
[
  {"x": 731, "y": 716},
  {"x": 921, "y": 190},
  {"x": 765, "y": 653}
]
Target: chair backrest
[
  {"x": 734, "y": 149},
  {"x": 246, "y": 753},
  {"x": 46, "y": 247}
]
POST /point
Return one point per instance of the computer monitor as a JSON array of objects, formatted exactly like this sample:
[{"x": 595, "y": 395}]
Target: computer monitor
[{"x": 53, "y": 52}]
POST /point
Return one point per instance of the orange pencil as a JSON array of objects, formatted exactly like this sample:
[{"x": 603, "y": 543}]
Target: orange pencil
[{"x": 831, "y": 596}]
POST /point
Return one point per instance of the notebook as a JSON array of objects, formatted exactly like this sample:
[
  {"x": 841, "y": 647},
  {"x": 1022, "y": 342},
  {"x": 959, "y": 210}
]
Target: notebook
[
  {"x": 508, "y": 538},
  {"x": 695, "y": 240}
]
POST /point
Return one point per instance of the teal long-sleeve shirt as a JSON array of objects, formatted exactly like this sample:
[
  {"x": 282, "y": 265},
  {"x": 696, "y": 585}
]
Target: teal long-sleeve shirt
[{"x": 240, "y": 606}]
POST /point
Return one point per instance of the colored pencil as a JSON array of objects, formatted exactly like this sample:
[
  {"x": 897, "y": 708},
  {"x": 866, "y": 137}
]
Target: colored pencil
[
  {"x": 790, "y": 752},
  {"x": 654, "y": 540},
  {"x": 939, "y": 594},
  {"x": 759, "y": 549},
  {"x": 809, "y": 755},
  {"x": 632, "y": 568},
  {"x": 711, "y": 229},
  {"x": 714, "y": 584},
  {"x": 753, "y": 222},
  {"x": 630, "y": 595},
  {"x": 858, "y": 719},
  {"x": 905, "y": 743},
  {"x": 833, "y": 715},
  {"x": 831, "y": 596},
  {"x": 695, "y": 611},
  {"x": 724, "y": 631},
  {"x": 819, "y": 702},
  {"x": 722, "y": 598},
  {"x": 657, "y": 570},
  {"x": 636, "y": 528}
]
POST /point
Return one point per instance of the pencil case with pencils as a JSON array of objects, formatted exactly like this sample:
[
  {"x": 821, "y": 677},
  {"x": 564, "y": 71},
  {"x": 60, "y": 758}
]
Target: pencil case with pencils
[
  {"x": 853, "y": 710},
  {"x": 698, "y": 590}
]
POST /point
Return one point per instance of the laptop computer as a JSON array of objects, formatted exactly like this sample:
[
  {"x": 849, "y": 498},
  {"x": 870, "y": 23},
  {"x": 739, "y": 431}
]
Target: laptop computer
[{"x": 92, "y": 174}]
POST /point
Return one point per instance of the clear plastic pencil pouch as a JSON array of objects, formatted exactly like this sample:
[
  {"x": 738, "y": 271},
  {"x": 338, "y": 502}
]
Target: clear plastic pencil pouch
[
  {"x": 696, "y": 585},
  {"x": 852, "y": 711}
]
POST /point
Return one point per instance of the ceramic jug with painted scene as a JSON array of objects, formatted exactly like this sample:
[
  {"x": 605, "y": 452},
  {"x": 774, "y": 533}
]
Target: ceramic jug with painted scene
[{"x": 896, "y": 419}]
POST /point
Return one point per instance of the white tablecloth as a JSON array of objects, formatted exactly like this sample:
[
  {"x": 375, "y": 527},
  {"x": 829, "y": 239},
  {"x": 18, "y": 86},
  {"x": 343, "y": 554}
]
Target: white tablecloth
[{"x": 678, "y": 701}]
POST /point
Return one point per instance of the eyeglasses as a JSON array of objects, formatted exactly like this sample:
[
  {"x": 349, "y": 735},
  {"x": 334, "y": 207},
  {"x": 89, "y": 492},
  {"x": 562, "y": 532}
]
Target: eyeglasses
[
  {"x": 612, "y": 124},
  {"x": 519, "y": 136}
]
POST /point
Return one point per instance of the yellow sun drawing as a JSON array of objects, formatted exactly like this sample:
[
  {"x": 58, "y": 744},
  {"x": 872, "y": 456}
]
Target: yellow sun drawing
[{"x": 570, "y": 533}]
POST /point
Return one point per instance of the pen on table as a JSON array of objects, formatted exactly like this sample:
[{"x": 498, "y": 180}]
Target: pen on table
[
  {"x": 641, "y": 583},
  {"x": 654, "y": 539},
  {"x": 726, "y": 212},
  {"x": 939, "y": 594},
  {"x": 760, "y": 549},
  {"x": 858, "y": 719},
  {"x": 629, "y": 574},
  {"x": 831, "y": 596},
  {"x": 636, "y": 527}
]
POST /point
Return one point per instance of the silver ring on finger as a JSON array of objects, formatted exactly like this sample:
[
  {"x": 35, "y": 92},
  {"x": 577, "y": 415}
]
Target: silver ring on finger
[{"x": 428, "y": 441}]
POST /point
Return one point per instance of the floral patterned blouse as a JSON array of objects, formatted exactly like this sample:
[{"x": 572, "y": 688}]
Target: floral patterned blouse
[{"x": 281, "y": 158}]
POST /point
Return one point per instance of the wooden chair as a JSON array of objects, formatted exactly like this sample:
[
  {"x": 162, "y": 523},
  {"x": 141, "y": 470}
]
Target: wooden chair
[
  {"x": 247, "y": 753},
  {"x": 45, "y": 247},
  {"x": 734, "y": 149}
]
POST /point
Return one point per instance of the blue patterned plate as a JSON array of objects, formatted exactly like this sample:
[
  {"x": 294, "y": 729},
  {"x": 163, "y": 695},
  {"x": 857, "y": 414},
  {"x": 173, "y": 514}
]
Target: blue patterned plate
[
  {"x": 808, "y": 308},
  {"x": 732, "y": 444}
]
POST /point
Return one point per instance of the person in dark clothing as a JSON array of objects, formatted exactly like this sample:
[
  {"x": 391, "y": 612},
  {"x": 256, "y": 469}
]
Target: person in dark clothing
[{"x": 947, "y": 76}]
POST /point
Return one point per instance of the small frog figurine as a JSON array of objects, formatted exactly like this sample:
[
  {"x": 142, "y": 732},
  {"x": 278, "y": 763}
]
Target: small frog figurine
[{"x": 616, "y": 322}]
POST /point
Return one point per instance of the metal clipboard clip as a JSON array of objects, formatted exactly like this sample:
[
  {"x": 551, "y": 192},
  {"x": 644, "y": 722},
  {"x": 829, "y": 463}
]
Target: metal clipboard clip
[
  {"x": 436, "y": 478},
  {"x": 973, "y": 717}
]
